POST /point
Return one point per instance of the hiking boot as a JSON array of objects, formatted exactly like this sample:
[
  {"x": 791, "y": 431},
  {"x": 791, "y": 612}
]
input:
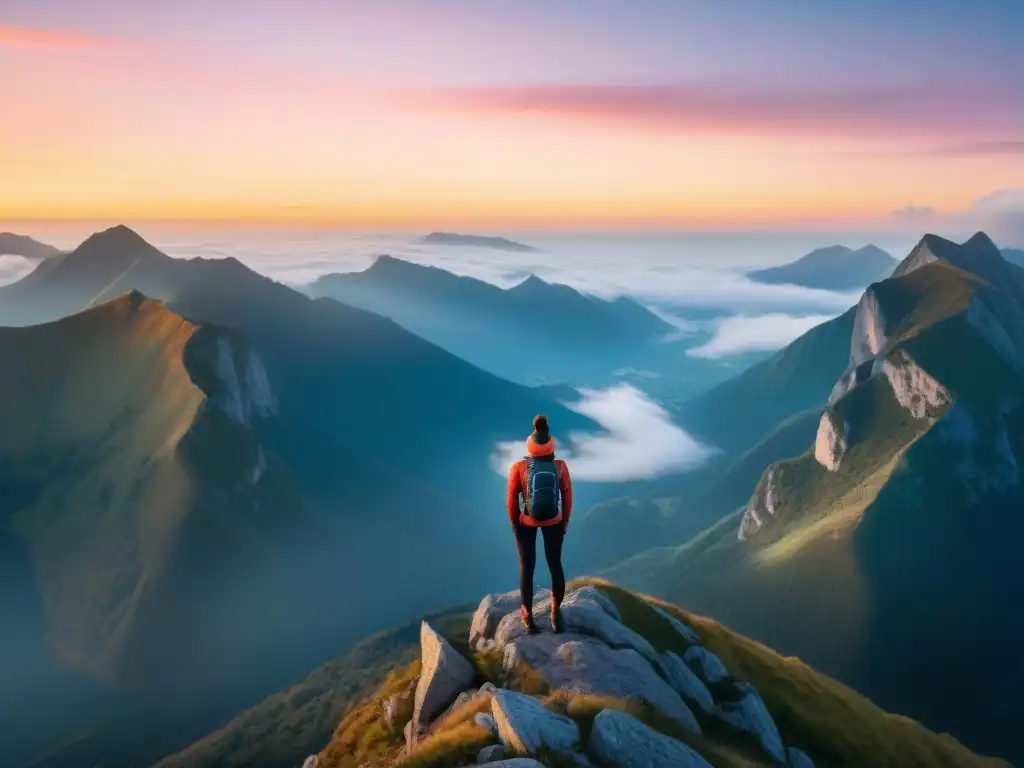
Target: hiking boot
[
  {"x": 556, "y": 617},
  {"x": 527, "y": 617}
]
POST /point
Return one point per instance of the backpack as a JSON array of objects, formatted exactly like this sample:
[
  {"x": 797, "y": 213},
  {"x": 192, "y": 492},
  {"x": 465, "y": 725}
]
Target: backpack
[{"x": 543, "y": 494}]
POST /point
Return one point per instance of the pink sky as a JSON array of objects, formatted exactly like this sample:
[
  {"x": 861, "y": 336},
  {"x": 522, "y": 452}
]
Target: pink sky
[{"x": 149, "y": 120}]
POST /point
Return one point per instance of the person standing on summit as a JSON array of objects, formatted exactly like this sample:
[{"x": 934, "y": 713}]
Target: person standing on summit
[{"x": 539, "y": 496}]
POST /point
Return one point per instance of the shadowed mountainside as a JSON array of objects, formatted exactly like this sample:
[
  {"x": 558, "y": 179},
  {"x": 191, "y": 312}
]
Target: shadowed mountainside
[{"x": 869, "y": 554}]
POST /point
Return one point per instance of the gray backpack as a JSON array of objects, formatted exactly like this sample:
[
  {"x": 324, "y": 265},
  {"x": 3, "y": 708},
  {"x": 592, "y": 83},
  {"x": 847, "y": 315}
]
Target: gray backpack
[{"x": 543, "y": 494}]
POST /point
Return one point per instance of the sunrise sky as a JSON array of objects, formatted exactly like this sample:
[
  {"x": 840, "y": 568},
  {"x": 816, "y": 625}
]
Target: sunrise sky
[{"x": 511, "y": 113}]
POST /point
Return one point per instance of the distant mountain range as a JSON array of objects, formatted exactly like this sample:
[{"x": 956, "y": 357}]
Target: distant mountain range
[
  {"x": 476, "y": 241},
  {"x": 26, "y": 247},
  {"x": 568, "y": 335},
  {"x": 835, "y": 268},
  {"x": 244, "y": 461},
  {"x": 887, "y": 553},
  {"x": 535, "y": 333}
]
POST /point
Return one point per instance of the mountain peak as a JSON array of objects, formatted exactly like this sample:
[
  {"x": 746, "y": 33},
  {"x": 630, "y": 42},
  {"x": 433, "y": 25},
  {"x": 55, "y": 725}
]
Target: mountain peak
[
  {"x": 116, "y": 243},
  {"x": 978, "y": 255}
]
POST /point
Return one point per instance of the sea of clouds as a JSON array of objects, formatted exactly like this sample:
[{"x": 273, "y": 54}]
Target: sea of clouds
[{"x": 697, "y": 282}]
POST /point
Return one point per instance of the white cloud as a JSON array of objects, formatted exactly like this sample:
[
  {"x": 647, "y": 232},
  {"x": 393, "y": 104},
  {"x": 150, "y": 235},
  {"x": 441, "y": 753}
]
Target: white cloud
[
  {"x": 640, "y": 441},
  {"x": 14, "y": 268},
  {"x": 734, "y": 335}
]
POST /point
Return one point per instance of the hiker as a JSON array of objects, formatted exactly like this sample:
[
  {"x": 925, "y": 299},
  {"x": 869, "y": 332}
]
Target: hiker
[{"x": 540, "y": 496}]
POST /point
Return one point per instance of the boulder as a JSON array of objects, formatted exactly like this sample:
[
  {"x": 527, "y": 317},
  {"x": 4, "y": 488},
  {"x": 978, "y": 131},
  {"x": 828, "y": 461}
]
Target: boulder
[
  {"x": 491, "y": 754},
  {"x": 798, "y": 759},
  {"x": 583, "y": 613},
  {"x": 705, "y": 664},
  {"x": 745, "y": 711},
  {"x": 585, "y": 665},
  {"x": 620, "y": 739},
  {"x": 686, "y": 683},
  {"x": 689, "y": 634},
  {"x": 443, "y": 675},
  {"x": 593, "y": 595},
  {"x": 486, "y": 721},
  {"x": 526, "y": 727},
  {"x": 492, "y": 609}
]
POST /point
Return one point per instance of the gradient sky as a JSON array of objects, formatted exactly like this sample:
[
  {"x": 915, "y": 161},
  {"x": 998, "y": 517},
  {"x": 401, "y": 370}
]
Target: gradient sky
[{"x": 511, "y": 113}]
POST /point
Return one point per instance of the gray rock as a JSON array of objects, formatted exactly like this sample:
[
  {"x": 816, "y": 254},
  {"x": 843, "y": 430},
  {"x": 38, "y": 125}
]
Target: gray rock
[
  {"x": 586, "y": 665},
  {"x": 491, "y": 754},
  {"x": 584, "y": 613},
  {"x": 525, "y": 726},
  {"x": 492, "y": 609},
  {"x": 705, "y": 664},
  {"x": 486, "y": 722},
  {"x": 443, "y": 676},
  {"x": 798, "y": 759},
  {"x": 686, "y": 683},
  {"x": 620, "y": 739},
  {"x": 747, "y": 713},
  {"x": 689, "y": 634},
  {"x": 590, "y": 594}
]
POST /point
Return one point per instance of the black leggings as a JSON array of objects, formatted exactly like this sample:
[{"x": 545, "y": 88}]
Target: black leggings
[{"x": 526, "y": 544}]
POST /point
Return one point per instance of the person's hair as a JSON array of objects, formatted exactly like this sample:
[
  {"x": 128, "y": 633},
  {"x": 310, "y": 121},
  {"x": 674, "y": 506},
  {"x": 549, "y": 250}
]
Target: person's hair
[{"x": 540, "y": 426}]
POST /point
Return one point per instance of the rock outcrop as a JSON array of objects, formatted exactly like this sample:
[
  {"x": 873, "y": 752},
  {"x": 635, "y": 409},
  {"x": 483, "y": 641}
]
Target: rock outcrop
[
  {"x": 445, "y": 674},
  {"x": 525, "y": 727},
  {"x": 832, "y": 441},
  {"x": 762, "y": 506},
  {"x": 619, "y": 739},
  {"x": 598, "y": 668}
]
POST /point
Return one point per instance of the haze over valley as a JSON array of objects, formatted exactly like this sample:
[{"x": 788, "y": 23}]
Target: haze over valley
[{"x": 511, "y": 385}]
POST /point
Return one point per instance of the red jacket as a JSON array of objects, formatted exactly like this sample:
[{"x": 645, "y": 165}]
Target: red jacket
[{"x": 517, "y": 483}]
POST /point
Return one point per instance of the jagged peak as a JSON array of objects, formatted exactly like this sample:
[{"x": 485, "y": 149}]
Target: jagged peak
[{"x": 978, "y": 255}]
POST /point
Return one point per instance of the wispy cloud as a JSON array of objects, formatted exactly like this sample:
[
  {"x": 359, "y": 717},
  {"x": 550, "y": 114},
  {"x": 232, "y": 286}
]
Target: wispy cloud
[
  {"x": 640, "y": 442},
  {"x": 709, "y": 107},
  {"x": 984, "y": 148},
  {"x": 36, "y": 39},
  {"x": 738, "y": 334},
  {"x": 914, "y": 214}
]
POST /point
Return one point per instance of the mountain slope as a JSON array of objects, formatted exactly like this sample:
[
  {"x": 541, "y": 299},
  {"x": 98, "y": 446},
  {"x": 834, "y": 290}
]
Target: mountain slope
[
  {"x": 22, "y": 245},
  {"x": 835, "y": 268},
  {"x": 1014, "y": 256},
  {"x": 802, "y": 709},
  {"x": 736, "y": 414},
  {"x": 338, "y": 370},
  {"x": 156, "y": 477},
  {"x": 902, "y": 516},
  {"x": 569, "y": 335}
]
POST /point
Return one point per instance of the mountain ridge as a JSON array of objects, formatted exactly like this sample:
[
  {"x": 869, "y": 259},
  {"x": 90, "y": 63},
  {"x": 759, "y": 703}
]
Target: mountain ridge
[
  {"x": 835, "y": 267},
  {"x": 12, "y": 244},
  {"x": 919, "y": 442},
  {"x": 479, "y": 241}
]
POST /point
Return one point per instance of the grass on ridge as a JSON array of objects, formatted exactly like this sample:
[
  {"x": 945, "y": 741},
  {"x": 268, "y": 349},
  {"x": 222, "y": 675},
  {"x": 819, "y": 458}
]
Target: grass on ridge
[{"x": 832, "y": 723}]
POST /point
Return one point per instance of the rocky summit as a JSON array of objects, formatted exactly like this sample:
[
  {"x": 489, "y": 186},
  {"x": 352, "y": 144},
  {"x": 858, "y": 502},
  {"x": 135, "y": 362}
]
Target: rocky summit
[{"x": 598, "y": 693}]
